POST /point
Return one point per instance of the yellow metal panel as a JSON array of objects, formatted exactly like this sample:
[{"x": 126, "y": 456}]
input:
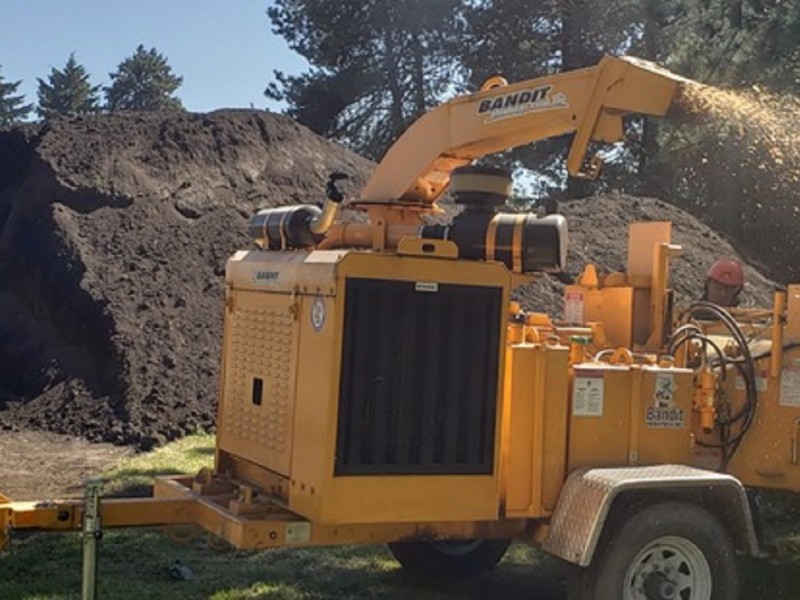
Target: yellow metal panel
[
  {"x": 642, "y": 240},
  {"x": 598, "y": 433},
  {"x": 316, "y": 408},
  {"x": 522, "y": 496},
  {"x": 769, "y": 455},
  {"x": 272, "y": 271},
  {"x": 408, "y": 498},
  {"x": 556, "y": 419},
  {"x": 612, "y": 306},
  {"x": 664, "y": 434},
  {"x": 538, "y": 420},
  {"x": 261, "y": 345},
  {"x": 792, "y": 330},
  {"x": 314, "y": 491},
  {"x": 646, "y": 417}
]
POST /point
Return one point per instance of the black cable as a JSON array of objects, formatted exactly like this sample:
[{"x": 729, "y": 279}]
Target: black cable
[
  {"x": 706, "y": 341},
  {"x": 746, "y": 367}
]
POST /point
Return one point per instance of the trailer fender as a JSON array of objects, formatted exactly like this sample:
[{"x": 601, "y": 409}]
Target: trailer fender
[{"x": 589, "y": 497}]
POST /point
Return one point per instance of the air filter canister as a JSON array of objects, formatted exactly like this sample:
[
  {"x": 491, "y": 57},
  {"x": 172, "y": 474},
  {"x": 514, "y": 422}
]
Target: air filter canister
[
  {"x": 523, "y": 242},
  {"x": 480, "y": 188},
  {"x": 284, "y": 227}
]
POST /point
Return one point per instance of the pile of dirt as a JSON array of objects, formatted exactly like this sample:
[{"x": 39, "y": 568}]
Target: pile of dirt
[
  {"x": 114, "y": 231},
  {"x": 598, "y": 233}
]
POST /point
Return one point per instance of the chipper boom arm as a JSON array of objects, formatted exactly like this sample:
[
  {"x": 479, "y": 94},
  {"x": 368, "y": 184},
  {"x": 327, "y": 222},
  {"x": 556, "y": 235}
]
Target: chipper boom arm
[{"x": 589, "y": 102}]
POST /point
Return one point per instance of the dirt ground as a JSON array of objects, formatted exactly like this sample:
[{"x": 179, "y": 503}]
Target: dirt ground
[{"x": 37, "y": 465}]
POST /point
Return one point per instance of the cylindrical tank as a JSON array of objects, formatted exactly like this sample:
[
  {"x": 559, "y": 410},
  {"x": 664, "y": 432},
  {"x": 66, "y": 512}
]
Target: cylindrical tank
[
  {"x": 284, "y": 227},
  {"x": 522, "y": 241}
]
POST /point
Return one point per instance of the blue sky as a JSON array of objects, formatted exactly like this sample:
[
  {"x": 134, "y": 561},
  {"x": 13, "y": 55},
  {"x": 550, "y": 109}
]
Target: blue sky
[{"x": 225, "y": 51}]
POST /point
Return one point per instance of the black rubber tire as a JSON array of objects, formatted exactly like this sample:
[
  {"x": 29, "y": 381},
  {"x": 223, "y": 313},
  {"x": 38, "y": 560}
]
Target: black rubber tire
[
  {"x": 629, "y": 534},
  {"x": 448, "y": 559}
]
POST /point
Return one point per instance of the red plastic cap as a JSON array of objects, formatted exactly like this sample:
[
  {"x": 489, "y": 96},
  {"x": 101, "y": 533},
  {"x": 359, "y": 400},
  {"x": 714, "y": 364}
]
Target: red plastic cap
[{"x": 726, "y": 271}]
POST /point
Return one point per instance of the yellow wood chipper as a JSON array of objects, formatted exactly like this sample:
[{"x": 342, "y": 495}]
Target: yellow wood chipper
[{"x": 379, "y": 385}]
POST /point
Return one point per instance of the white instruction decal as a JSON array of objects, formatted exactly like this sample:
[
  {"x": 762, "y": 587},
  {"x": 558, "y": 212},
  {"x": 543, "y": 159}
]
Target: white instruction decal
[
  {"x": 790, "y": 382},
  {"x": 426, "y": 286},
  {"x": 664, "y": 412},
  {"x": 298, "y": 533},
  {"x": 587, "y": 395},
  {"x": 761, "y": 381},
  {"x": 664, "y": 393},
  {"x": 573, "y": 308}
]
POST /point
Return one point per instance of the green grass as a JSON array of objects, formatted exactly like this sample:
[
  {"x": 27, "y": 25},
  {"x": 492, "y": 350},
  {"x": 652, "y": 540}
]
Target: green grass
[
  {"x": 134, "y": 563},
  {"x": 135, "y": 474}
]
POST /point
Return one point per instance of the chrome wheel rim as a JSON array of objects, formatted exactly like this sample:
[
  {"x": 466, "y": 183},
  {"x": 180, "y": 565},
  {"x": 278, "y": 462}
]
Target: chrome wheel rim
[{"x": 669, "y": 568}]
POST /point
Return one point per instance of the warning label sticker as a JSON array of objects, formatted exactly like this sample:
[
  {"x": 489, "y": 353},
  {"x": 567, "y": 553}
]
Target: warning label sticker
[
  {"x": 587, "y": 394},
  {"x": 790, "y": 382},
  {"x": 761, "y": 381},
  {"x": 664, "y": 413},
  {"x": 298, "y": 533},
  {"x": 573, "y": 308},
  {"x": 664, "y": 394}
]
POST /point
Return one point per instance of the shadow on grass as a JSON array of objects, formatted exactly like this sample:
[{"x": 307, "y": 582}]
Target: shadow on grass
[
  {"x": 129, "y": 482},
  {"x": 201, "y": 451},
  {"x": 773, "y": 579},
  {"x": 49, "y": 566}
]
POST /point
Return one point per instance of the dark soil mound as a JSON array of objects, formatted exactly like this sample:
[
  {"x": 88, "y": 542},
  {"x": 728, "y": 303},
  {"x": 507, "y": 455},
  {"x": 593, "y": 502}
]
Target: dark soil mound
[
  {"x": 598, "y": 233},
  {"x": 114, "y": 232}
]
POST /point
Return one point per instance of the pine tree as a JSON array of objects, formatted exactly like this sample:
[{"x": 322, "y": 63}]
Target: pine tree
[
  {"x": 376, "y": 66},
  {"x": 143, "y": 81},
  {"x": 738, "y": 42},
  {"x": 520, "y": 40},
  {"x": 67, "y": 91},
  {"x": 12, "y": 108}
]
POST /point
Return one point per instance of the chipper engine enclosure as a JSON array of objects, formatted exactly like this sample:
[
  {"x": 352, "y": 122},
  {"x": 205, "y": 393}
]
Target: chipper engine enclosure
[{"x": 368, "y": 397}]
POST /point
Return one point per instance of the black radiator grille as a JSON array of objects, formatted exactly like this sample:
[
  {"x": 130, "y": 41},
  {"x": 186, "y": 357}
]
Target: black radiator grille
[{"x": 419, "y": 378}]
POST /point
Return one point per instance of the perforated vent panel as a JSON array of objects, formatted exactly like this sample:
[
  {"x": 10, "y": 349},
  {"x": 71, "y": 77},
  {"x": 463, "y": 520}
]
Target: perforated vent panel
[{"x": 256, "y": 418}]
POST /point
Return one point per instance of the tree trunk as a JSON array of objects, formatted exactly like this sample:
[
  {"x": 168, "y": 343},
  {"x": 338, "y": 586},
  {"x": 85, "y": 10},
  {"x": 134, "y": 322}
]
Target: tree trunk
[
  {"x": 653, "y": 45},
  {"x": 393, "y": 82},
  {"x": 574, "y": 55},
  {"x": 419, "y": 76}
]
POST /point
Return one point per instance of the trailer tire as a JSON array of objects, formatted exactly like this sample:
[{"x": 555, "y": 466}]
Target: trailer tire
[
  {"x": 667, "y": 550},
  {"x": 448, "y": 558}
]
